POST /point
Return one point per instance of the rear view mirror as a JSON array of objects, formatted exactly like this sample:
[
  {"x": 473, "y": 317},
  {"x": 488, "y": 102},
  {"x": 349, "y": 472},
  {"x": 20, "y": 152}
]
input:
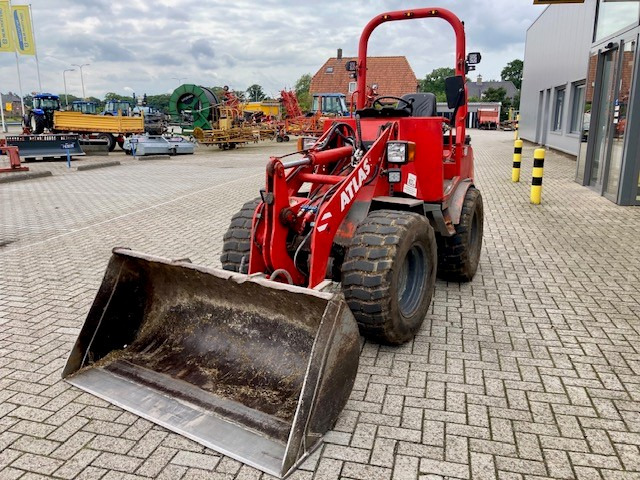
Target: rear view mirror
[
  {"x": 351, "y": 66},
  {"x": 454, "y": 89}
]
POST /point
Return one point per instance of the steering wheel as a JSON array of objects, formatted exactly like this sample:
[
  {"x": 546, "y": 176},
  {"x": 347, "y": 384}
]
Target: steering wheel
[{"x": 407, "y": 104}]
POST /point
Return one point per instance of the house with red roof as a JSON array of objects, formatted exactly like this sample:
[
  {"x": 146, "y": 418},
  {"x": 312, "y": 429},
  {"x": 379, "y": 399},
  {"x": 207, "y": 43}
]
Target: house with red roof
[{"x": 393, "y": 75}]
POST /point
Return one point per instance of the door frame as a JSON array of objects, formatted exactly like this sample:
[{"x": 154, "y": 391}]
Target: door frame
[{"x": 595, "y": 117}]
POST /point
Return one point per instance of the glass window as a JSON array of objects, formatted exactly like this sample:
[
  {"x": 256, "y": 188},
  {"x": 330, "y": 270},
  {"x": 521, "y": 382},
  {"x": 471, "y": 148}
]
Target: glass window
[
  {"x": 352, "y": 87},
  {"x": 329, "y": 70},
  {"x": 614, "y": 15},
  {"x": 577, "y": 103},
  {"x": 558, "y": 109}
]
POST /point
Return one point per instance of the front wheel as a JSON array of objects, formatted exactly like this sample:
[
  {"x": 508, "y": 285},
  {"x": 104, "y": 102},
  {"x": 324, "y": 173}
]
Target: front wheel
[
  {"x": 237, "y": 240},
  {"x": 38, "y": 124},
  {"x": 459, "y": 255},
  {"x": 389, "y": 274}
]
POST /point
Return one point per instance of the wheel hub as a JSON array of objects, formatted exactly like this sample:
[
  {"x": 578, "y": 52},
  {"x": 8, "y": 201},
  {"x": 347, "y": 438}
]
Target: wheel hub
[{"x": 411, "y": 280}]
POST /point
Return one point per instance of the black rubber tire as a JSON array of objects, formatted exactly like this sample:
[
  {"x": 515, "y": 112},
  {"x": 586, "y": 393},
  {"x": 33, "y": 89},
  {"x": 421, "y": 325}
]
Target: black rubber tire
[
  {"x": 279, "y": 139},
  {"x": 286, "y": 138},
  {"x": 40, "y": 123},
  {"x": 237, "y": 240},
  {"x": 459, "y": 255},
  {"x": 111, "y": 140},
  {"x": 387, "y": 249}
]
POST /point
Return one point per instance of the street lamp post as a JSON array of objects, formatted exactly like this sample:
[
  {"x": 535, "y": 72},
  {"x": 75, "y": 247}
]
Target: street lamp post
[
  {"x": 81, "y": 77},
  {"x": 64, "y": 80}
]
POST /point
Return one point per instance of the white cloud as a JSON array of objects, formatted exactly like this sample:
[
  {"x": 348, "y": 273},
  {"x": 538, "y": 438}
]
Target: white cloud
[{"x": 145, "y": 45}]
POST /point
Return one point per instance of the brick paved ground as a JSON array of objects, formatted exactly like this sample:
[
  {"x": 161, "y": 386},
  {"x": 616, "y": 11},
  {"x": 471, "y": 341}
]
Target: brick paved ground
[{"x": 530, "y": 371}]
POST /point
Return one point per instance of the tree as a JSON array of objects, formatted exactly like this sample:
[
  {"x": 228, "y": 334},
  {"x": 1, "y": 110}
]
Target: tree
[
  {"x": 513, "y": 72},
  {"x": 302, "y": 91},
  {"x": 494, "y": 95},
  {"x": 161, "y": 102},
  {"x": 434, "y": 82},
  {"x": 255, "y": 93}
]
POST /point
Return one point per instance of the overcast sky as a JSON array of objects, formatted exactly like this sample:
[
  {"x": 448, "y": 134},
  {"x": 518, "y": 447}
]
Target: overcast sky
[{"x": 152, "y": 46}]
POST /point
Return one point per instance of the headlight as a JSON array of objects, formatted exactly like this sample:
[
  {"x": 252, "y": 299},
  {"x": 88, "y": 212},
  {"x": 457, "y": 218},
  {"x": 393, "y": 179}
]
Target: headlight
[
  {"x": 400, "y": 152},
  {"x": 395, "y": 176}
]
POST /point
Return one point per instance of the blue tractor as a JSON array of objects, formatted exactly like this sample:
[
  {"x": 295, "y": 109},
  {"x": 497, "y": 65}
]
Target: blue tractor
[
  {"x": 41, "y": 115},
  {"x": 84, "y": 107},
  {"x": 117, "y": 107}
]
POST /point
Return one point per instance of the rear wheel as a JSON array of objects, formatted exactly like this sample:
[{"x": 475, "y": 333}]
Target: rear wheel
[
  {"x": 459, "y": 255},
  {"x": 237, "y": 240},
  {"x": 389, "y": 274},
  {"x": 110, "y": 139}
]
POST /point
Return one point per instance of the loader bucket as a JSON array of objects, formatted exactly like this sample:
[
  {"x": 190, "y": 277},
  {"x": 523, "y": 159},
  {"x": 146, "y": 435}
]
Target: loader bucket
[{"x": 254, "y": 369}]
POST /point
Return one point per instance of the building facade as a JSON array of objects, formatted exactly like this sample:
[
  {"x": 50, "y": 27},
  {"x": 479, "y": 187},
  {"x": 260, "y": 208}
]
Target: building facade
[{"x": 580, "y": 92}]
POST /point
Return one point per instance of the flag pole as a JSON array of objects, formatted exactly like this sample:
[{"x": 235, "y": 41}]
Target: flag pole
[
  {"x": 15, "y": 40},
  {"x": 33, "y": 32},
  {"x": 4, "y": 125}
]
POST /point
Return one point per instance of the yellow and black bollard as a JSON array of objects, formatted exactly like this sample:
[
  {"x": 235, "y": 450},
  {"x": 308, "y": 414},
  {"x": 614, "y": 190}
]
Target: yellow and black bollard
[
  {"x": 517, "y": 159},
  {"x": 536, "y": 181}
]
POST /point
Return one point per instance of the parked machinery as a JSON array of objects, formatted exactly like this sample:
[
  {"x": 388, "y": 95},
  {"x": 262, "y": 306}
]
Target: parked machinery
[
  {"x": 116, "y": 107},
  {"x": 193, "y": 106},
  {"x": 488, "y": 118},
  {"x": 81, "y": 106},
  {"x": 40, "y": 117},
  {"x": 349, "y": 233}
]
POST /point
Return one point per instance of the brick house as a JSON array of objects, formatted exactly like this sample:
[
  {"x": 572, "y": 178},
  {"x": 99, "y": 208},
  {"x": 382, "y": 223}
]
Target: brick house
[
  {"x": 14, "y": 100},
  {"x": 393, "y": 75}
]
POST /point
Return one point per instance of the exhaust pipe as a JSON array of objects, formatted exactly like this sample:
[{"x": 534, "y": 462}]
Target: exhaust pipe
[{"x": 254, "y": 369}]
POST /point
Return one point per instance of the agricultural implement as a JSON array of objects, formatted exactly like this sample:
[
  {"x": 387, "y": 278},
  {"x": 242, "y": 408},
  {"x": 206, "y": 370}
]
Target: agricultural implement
[
  {"x": 258, "y": 359},
  {"x": 11, "y": 151},
  {"x": 113, "y": 129},
  {"x": 143, "y": 145},
  {"x": 46, "y": 146}
]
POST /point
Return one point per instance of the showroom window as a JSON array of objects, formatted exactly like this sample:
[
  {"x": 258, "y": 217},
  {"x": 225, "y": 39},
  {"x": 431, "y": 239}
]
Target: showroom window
[{"x": 558, "y": 109}]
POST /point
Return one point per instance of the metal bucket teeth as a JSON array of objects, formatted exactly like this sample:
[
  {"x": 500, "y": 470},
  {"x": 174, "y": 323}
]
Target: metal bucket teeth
[{"x": 254, "y": 369}]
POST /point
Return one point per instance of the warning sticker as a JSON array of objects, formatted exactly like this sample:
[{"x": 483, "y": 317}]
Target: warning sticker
[
  {"x": 409, "y": 190},
  {"x": 411, "y": 180},
  {"x": 410, "y": 187}
]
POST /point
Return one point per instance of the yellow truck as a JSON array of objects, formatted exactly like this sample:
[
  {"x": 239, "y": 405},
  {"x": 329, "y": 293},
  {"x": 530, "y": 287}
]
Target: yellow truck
[{"x": 110, "y": 128}]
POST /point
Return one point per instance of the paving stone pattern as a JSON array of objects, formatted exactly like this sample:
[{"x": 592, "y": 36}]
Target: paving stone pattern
[{"x": 531, "y": 371}]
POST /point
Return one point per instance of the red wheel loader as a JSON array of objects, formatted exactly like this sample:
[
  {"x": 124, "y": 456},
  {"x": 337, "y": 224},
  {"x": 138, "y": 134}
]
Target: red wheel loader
[{"x": 257, "y": 360}]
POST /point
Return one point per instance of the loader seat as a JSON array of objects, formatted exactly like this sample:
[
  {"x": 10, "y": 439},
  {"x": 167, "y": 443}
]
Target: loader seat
[{"x": 424, "y": 104}]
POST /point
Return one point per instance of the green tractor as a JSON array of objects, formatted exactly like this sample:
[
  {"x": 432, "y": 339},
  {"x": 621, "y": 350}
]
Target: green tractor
[{"x": 40, "y": 117}]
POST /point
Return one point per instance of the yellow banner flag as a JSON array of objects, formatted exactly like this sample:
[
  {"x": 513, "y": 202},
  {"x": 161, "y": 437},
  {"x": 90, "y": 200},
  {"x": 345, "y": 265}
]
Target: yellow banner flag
[
  {"x": 6, "y": 28},
  {"x": 24, "y": 33}
]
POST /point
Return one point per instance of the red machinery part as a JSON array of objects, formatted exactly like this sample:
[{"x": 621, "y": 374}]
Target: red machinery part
[{"x": 14, "y": 158}]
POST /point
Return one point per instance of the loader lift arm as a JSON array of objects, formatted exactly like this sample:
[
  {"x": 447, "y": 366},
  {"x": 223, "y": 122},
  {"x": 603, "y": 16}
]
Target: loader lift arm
[{"x": 285, "y": 209}]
